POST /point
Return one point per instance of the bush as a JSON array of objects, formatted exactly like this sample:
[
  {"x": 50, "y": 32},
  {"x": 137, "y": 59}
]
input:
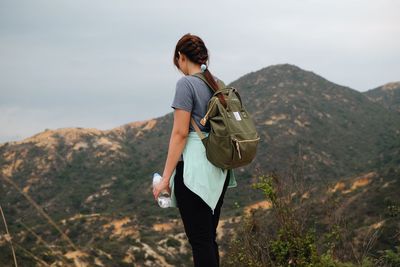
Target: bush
[
  {"x": 391, "y": 257},
  {"x": 284, "y": 235}
]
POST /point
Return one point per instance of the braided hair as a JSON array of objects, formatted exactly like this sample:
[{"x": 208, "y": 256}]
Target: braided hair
[{"x": 196, "y": 51}]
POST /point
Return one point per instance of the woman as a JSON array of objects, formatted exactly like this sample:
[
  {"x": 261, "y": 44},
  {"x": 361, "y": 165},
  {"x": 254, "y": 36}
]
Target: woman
[{"x": 197, "y": 187}]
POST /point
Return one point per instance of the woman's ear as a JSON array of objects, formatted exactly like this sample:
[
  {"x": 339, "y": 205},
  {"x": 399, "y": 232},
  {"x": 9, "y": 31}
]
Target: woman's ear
[{"x": 183, "y": 58}]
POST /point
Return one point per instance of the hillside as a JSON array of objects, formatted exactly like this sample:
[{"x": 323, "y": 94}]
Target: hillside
[
  {"x": 297, "y": 110},
  {"x": 354, "y": 221},
  {"x": 387, "y": 95},
  {"x": 97, "y": 184}
]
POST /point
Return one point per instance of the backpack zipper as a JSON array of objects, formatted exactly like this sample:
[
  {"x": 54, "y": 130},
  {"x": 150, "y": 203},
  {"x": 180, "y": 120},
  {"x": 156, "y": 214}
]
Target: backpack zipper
[
  {"x": 238, "y": 147},
  {"x": 203, "y": 121}
]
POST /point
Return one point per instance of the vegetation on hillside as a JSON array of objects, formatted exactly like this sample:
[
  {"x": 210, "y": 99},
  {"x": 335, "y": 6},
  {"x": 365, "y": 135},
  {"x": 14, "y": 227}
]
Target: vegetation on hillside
[
  {"x": 299, "y": 230},
  {"x": 96, "y": 185}
]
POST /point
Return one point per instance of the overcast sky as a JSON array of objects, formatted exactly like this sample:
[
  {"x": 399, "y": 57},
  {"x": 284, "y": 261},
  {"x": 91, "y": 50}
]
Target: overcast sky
[{"x": 104, "y": 63}]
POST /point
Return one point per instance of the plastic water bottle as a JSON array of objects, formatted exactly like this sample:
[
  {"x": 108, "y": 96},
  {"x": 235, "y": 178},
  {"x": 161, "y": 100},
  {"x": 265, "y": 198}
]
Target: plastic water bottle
[{"x": 164, "y": 199}]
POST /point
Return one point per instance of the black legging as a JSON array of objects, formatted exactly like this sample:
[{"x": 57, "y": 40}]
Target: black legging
[{"x": 199, "y": 222}]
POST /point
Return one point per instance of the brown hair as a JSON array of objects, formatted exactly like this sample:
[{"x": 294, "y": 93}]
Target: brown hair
[{"x": 196, "y": 51}]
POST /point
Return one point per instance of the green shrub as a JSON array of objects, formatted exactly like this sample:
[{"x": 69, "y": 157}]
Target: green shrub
[
  {"x": 283, "y": 235},
  {"x": 392, "y": 257}
]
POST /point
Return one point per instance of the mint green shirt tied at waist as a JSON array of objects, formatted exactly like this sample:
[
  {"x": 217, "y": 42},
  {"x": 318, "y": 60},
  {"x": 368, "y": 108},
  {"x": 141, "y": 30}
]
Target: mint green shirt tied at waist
[{"x": 199, "y": 175}]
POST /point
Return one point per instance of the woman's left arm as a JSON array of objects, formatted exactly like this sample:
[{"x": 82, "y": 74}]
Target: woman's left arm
[{"x": 177, "y": 142}]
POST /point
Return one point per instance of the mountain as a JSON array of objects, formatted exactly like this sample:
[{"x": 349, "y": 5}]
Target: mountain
[
  {"x": 387, "y": 95},
  {"x": 96, "y": 185},
  {"x": 331, "y": 125}
]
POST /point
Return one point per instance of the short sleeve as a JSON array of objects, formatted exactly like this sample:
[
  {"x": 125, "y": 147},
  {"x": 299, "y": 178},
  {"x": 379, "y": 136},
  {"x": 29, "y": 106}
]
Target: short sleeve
[{"x": 183, "y": 98}]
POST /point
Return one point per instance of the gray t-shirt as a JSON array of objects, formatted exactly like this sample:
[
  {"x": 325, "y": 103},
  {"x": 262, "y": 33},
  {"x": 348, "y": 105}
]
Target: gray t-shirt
[{"x": 192, "y": 94}]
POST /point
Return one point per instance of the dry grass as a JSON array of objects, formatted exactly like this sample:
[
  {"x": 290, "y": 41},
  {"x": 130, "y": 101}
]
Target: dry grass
[
  {"x": 41, "y": 211},
  {"x": 47, "y": 245},
  {"x": 43, "y": 263},
  {"x": 48, "y": 219},
  {"x": 9, "y": 239}
]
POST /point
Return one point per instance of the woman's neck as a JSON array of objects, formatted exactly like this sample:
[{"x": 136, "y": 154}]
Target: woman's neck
[{"x": 193, "y": 68}]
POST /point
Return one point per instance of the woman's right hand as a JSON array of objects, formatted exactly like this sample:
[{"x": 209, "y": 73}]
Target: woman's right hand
[{"x": 163, "y": 185}]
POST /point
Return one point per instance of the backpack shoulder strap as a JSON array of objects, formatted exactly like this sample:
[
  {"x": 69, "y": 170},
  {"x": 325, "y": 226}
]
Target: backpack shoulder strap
[
  {"x": 220, "y": 83},
  {"x": 199, "y": 133}
]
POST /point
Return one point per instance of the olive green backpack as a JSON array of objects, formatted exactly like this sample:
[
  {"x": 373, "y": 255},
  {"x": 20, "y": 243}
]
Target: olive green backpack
[{"x": 233, "y": 138}]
